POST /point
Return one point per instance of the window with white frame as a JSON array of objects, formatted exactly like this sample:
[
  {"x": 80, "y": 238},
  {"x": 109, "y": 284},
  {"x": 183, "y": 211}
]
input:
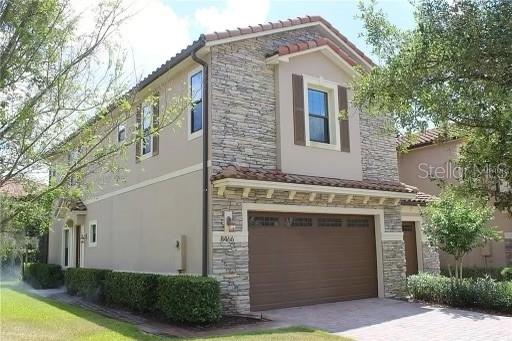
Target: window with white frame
[
  {"x": 321, "y": 107},
  {"x": 93, "y": 233},
  {"x": 196, "y": 94},
  {"x": 121, "y": 133},
  {"x": 146, "y": 126},
  {"x": 318, "y": 112}
]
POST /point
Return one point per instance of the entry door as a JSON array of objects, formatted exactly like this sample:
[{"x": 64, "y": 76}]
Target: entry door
[
  {"x": 411, "y": 251},
  {"x": 78, "y": 246}
]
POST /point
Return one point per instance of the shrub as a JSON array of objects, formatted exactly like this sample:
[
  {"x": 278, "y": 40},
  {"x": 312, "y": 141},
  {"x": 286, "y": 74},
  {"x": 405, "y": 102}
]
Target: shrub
[
  {"x": 43, "y": 276},
  {"x": 87, "y": 283},
  {"x": 484, "y": 293},
  {"x": 135, "y": 291},
  {"x": 189, "y": 299},
  {"x": 477, "y": 272},
  {"x": 506, "y": 274}
]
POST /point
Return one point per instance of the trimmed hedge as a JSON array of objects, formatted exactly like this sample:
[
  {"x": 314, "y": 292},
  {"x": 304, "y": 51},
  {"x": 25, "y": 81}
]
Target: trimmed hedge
[
  {"x": 135, "y": 291},
  {"x": 189, "y": 299},
  {"x": 484, "y": 293},
  {"x": 478, "y": 272},
  {"x": 87, "y": 283},
  {"x": 43, "y": 276}
]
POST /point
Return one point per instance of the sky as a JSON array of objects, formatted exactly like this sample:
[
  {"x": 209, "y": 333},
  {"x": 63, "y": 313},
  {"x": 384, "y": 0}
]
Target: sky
[{"x": 161, "y": 28}]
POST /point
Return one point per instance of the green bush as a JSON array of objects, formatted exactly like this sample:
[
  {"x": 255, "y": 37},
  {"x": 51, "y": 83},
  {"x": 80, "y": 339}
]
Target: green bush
[
  {"x": 483, "y": 293},
  {"x": 43, "y": 276},
  {"x": 189, "y": 299},
  {"x": 478, "y": 272},
  {"x": 87, "y": 283},
  {"x": 506, "y": 274},
  {"x": 134, "y": 291}
]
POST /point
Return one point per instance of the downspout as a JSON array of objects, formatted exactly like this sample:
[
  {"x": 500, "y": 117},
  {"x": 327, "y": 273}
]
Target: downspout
[{"x": 205, "y": 156}]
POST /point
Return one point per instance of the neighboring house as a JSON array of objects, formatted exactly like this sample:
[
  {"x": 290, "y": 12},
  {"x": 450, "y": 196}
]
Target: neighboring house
[
  {"x": 301, "y": 206},
  {"x": 427, "y": 163}
]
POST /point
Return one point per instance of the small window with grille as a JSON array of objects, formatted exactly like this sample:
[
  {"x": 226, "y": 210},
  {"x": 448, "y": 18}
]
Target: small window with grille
[
  {"x": 263, "y": 221},
  {"x": 299, "y": 221}
]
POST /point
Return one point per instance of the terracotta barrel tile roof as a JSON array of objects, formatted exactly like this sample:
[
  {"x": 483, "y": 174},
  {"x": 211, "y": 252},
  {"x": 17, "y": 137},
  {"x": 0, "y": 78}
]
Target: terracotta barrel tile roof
[
  {"x": 237, "y": 172},
  {"x": 284, "y": 23},
  {"x": 420, "y": 199},
  {"x": 426, "y": 138},
  {"x": 311, "y": 44}
]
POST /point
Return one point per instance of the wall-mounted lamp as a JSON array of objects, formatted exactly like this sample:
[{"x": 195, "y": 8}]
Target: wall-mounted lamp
[{"x": 229, "y": 224}]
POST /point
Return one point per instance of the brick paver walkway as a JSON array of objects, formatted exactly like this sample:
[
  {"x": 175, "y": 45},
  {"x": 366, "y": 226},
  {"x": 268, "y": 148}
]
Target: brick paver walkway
[{"x": 392, "y": 320}]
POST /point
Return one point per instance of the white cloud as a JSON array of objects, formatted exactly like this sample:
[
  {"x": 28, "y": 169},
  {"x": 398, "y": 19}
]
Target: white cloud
[
  {"x": 151, "y": 35},
  {"x": 154, "y": 34},
  {"x": 234, "y": 14}
]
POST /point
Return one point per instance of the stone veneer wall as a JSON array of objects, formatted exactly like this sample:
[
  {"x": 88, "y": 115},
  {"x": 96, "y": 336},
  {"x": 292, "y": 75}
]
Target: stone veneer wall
[
  {"x": 430, "y": 259},
  {"x": 508, "y": 250},
  {"x": 378, "y": 148},
  {"x": 230, "y": 257}
]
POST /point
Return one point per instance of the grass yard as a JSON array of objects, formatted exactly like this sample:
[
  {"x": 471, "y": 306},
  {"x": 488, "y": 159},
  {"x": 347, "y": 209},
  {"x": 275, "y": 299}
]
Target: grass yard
[{"x": 25, "y": 317}]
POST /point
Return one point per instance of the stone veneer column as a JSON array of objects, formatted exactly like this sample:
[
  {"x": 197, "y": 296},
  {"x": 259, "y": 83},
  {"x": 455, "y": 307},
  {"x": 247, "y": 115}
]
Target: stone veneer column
[
  {"x": 430, "y": 259},
  {"x": 393, "y": 254},
  {"x": 508, "y": 247}
]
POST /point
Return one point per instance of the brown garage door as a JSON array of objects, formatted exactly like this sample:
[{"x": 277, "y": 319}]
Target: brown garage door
[{"x": 302, "y": 259}]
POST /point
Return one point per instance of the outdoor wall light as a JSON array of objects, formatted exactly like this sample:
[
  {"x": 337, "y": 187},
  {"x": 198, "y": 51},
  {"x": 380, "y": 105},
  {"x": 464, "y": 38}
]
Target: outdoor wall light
[{"x": 229, "y": 224}]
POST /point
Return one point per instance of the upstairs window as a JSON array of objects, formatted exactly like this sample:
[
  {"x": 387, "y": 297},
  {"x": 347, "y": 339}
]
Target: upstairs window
[
  {"x": 121, "y": 133},
  {"x": 318, "y": 110},
  {"x": 196, "y": 94},
  {"x": 147, "y": 124},
  {"x": 93, "y": 233}
]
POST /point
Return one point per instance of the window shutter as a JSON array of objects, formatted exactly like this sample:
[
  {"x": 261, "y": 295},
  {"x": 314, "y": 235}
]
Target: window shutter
[
  {"x": 138, "y": 142},
  {"x": 156, "y": 136},
  {"x": 344, "y": 124},
  {"x": 299, "y": 128}
]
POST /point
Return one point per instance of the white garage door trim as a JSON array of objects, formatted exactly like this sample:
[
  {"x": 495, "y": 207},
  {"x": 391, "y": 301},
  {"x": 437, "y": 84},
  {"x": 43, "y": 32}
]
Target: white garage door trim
[{"x": 377, "y": 213}]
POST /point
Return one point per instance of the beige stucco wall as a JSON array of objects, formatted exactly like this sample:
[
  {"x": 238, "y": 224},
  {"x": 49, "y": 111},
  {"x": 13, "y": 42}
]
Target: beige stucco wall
[
  {"x": 312, "y": 160},
  {"x": 142, "y": 215},
  {"x": 414, "y": 165}
]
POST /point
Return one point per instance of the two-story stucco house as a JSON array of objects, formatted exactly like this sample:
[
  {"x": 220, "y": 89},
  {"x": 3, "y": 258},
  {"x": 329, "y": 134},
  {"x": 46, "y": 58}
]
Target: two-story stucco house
[
  {"x": 266, "y": 187},
  {"x": 428, "y": 162}
]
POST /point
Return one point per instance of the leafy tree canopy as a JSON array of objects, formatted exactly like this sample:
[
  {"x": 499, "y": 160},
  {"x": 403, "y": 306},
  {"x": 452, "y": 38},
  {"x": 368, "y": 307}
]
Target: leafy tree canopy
[
  {"x": 453, "y": 69},
  {"x": 63, "y": 94}
]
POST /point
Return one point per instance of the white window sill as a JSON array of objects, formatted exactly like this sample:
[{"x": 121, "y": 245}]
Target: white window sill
[
  {"x": 321, "y": 145},
  {"x": 195, "y": 135},
  {"x": 145, "y": 156},
  {"x": 92, "y": 244}
]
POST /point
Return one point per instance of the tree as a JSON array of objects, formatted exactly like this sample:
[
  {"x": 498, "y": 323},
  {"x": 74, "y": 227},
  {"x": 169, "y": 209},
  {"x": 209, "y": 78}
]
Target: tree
[
  {"x": 63, "y": 94},
  {"x": 453, "y": 70},
  {"x": 456, "y": 223}
]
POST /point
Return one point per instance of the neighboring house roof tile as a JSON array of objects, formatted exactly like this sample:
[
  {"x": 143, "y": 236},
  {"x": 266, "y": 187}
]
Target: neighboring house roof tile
[
  {"x": 420, "y": 199},
  {"x": 311, "y": 44},
  {"x": 238, "y": 172},
  {"x": 285, "y": 23},
  {"x": 426, "y": 138}
]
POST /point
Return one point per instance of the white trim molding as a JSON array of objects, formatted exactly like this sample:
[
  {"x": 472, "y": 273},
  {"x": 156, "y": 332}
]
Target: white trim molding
[
  {"x": 377, "y": 213},
  {"x": 292, "y": 187},
  {"x": 177, "y": 173},
  {"x": 331, "y": 89}
]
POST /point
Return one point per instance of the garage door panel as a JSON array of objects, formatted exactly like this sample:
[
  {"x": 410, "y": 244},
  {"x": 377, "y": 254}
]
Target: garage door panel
[{"x": 297, "y": 265}]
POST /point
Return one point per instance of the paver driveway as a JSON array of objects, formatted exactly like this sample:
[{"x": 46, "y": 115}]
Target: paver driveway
[{"x": 391, "y": 320}]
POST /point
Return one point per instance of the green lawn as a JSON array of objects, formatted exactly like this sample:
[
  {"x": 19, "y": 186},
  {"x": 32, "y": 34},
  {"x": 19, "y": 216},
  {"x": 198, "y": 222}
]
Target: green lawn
[{"x": 25, "y": 317}]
